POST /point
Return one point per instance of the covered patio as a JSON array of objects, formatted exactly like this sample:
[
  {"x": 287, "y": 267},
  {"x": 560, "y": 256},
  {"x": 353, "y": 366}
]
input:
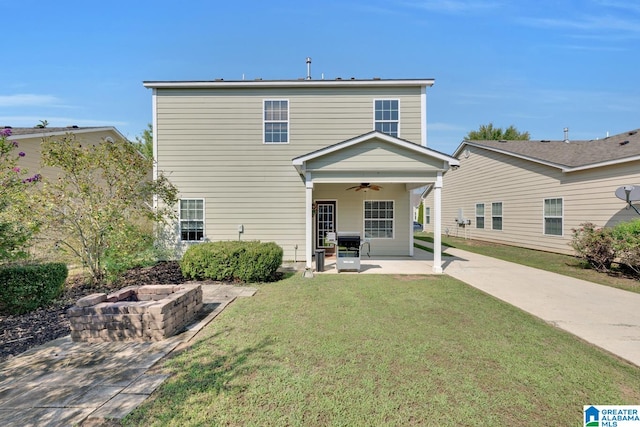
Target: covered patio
[
  {"x": 387, "y": 169},
  {"x": 420, "y": 263}
]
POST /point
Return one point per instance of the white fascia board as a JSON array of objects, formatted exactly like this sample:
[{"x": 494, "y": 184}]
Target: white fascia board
[
  {"x": 563, "y": 168},
  {"x": 601, "y": 164},
  {"x": 509, "y": 153},
  {"x": 285, "y": 83},
  {"x": 379, "y": 135}
]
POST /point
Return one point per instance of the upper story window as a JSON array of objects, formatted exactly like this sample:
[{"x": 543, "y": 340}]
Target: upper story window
[
  {"x": 553, "y": 217},
  {"x": 276, "y": 121},
  {"x": 191, "y": 220},
  {"x": 479, "y": 215},
  {"x": 387, "y": 116},
  {"x": 496, "y": 216}
]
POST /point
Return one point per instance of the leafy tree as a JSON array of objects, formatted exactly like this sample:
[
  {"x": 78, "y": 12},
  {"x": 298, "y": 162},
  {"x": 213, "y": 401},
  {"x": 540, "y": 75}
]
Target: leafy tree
[
  {"x": 16, "y": 224},
  {"x": 100, "y": 209},
  {"x": 144, "y": 143},
  {"x": 489, "y": 132}
]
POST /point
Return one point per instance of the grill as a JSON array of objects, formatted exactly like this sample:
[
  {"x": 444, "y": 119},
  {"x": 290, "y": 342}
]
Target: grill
[{"x": 348, "y": 251}]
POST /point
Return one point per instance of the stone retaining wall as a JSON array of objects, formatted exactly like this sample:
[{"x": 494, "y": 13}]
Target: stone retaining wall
[{"x": 135, "y": 313}]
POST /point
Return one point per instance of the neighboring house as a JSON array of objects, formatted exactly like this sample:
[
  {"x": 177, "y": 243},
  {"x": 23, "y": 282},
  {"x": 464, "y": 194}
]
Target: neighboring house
[
  {"x": 29, "y": 140},
  {"x": 281, "y": 160},
  {"x": 534, "y": 193}
]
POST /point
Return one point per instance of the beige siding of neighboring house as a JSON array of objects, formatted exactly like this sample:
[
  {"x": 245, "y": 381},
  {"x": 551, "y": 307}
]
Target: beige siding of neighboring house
[
  {"x": 30, "y": 145},
  {"x": 522, "y": 186},
  {"x": 211, "y": 141}
]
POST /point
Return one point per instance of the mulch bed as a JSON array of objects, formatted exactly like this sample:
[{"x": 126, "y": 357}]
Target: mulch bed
[{"x": 19, "y": 333}]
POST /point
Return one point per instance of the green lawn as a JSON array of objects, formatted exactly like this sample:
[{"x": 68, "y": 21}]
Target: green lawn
[
  {"x": 382, "y": 350},
  {"x": 557, "y": 263}
]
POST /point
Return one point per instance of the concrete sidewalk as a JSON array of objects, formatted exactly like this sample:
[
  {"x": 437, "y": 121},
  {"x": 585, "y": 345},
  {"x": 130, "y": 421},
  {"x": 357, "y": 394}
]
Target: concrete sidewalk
[
  {"x": 63, "y": 383},
  {"x": 601, "y": 315}
]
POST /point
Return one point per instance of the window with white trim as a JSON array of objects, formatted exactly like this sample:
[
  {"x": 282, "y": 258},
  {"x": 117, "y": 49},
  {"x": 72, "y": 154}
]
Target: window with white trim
[
  {"x": 553, "y": 216},
  {"x": 191, "y": 220},
  {"x": 479, "y": 215},
  {"x": 427, "y": 215},
  {"x": 496, "y": 216},
  {"x": 276, "y": 121},
  {"x": 378, "y": 219},
  {"x": 387, "y": 116}
]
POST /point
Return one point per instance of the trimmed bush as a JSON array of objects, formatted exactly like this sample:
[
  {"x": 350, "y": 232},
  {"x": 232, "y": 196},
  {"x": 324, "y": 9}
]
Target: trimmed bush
[
  {"x": 247, "y": 261},
  {"x": 30, "y": 286}
]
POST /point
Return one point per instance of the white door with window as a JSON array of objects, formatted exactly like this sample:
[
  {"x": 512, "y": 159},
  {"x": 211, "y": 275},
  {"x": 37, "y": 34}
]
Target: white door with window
[{"x": 325, "y": 222}]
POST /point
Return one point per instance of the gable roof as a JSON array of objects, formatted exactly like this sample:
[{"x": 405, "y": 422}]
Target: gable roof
[
  {"x": 300, "y": 161},
  {"x": 569, "y": 156},
  {"x": 31, "y": 132}
]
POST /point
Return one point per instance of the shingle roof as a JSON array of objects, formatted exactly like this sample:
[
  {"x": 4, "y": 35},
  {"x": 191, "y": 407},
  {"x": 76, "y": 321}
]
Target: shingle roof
[
  {"x": 15, "y": 131},
  {"x": 571, "y": 155}
]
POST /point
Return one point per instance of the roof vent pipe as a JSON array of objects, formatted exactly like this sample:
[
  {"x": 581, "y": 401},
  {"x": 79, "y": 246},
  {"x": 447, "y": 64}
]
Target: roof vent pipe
[
  {"x": 308, "y": 68},
  {"x": 566, "y": 135}
]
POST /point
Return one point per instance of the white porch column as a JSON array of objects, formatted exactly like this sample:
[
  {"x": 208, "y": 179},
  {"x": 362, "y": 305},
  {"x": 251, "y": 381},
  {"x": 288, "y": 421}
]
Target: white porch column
[
  {"x": 437, "y": 225},
  {"x": 308, "y": 221}
]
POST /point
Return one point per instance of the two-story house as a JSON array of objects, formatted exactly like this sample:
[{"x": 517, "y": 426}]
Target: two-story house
[{"x": 292, "y": 160}]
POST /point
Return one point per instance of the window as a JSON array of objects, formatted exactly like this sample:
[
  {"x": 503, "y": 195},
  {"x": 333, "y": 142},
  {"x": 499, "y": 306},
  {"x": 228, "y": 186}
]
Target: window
[
  {"x": 191, "y": 220},
  {"x": 387, "y": 116},
  {"x": 479, "y": 215},
  {"x": 378, "y": 219},
  {"x": 276, "y": 121},
  {"x": 496, "y": 216},
  {"x": 553, "y": 217},
  {"x": 427, "y": 215}
]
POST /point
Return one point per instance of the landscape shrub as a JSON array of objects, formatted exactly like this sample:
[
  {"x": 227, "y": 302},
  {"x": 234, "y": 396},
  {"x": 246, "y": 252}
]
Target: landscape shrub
[
  {"x": 603, "y": 248},
  {"x": 626, "y": 238},
  {"x": 29, "y": 286},
  {"x": 247, "y": 261},
  {"x": 594, "y": 245}
]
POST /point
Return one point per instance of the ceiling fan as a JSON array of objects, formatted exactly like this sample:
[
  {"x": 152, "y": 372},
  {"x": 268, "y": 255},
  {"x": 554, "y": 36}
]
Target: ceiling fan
[{"x": 365, "y": 186}]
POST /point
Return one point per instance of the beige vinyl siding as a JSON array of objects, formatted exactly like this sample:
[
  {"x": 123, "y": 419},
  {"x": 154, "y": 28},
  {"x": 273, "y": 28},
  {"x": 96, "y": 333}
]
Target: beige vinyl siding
[
  {"x": 30, "y": 145},
  {"x": 374, "y": 155},
  {"x": 350, "y": 208},
  {"x": 522, "y": 186},
  {"x": 211, "y": 143}
]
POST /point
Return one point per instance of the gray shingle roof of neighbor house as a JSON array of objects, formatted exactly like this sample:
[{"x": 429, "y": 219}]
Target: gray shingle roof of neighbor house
[
  {"x": 50, "y": 131},
  {"x": 568, "y": 155}
]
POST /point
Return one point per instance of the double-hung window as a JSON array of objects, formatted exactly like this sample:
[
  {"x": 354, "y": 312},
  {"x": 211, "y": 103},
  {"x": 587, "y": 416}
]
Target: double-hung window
[
  {"x": 427, "y": 215},
  {"x": 553, "y": 217},
  {"x": 387, "y": 116},
  {"x": 496, "y": 216},
  {"x": 276, "y": 121},
  {"x": 378, "y": 219},
  {"x": 191, "y": 220},
  {"x": 479, "y": 215}
]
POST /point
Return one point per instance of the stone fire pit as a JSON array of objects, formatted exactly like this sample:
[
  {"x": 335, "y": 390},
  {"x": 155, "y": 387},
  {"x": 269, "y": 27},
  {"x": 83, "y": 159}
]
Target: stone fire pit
[{"x": 135, "y": 313}]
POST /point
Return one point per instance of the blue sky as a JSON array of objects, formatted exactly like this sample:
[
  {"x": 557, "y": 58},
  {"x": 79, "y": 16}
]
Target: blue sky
[{"x": 538, "y": 65}]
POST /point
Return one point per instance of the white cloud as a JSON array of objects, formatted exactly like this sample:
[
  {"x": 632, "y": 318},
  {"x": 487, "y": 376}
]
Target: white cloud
[
  {"x": 28, "y": 100},
  {"x": 454, "y": 6}
]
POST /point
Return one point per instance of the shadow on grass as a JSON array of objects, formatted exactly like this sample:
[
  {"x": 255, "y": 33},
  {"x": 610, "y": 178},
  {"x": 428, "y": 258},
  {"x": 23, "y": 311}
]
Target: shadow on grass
[{"x": 200, "y": 374}]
